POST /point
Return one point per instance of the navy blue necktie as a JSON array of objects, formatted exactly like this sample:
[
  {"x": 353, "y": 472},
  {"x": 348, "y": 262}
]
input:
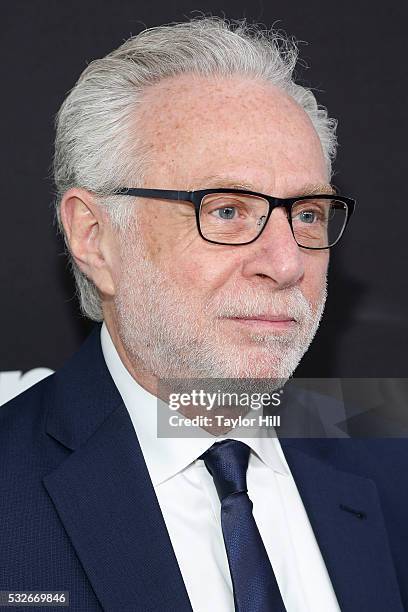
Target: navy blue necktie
[{"x": 253, "y": 580}]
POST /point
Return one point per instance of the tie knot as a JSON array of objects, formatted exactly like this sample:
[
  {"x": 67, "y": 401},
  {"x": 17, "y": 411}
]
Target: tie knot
[{"x": 227, "y": 462}]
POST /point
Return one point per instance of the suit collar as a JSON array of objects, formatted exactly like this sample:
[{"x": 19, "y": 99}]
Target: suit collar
[{"x": 83, "y": 395}]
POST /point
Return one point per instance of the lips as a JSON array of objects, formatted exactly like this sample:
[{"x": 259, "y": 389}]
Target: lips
[
  {"x": 272, "y": 322},
  {"x": 265, "y": 317}
]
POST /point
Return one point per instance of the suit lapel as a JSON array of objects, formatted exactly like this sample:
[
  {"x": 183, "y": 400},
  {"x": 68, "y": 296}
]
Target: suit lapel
[
  {"x": 103, "y": 493},
  {"x": 345, "y": 514}
]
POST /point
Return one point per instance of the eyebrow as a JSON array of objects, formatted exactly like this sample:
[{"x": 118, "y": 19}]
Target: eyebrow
[{"x": 225, "y": 181}]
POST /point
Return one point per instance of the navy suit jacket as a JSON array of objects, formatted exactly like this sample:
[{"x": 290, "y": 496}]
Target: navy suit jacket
[{"x": 78, "y": 511}]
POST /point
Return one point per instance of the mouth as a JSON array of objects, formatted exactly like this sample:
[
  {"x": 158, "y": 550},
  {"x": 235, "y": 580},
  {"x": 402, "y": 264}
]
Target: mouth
[{"x": 268, "y": 321}]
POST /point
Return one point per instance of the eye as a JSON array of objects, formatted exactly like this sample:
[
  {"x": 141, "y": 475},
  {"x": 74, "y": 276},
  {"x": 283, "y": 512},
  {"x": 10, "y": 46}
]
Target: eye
[
  {"x": 307, "y": 216},
  {"x": 227, "y": 212}
]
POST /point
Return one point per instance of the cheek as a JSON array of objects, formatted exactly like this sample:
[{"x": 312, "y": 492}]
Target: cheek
[
  {"x": 314, "y": 280},
  {"x": 153, "y": 236},
  {"x": 201, "y": 274}
]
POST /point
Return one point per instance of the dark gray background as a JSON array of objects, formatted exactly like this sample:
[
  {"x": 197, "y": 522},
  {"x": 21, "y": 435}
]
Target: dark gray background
[{"x": 357, "y": 57}]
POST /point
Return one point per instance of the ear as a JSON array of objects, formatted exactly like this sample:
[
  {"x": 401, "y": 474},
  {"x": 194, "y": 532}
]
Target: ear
[{"x": 90, "y": 237}]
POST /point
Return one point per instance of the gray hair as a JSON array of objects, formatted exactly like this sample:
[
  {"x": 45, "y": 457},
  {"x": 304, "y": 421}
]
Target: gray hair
[{"x": 96, "y": 147}]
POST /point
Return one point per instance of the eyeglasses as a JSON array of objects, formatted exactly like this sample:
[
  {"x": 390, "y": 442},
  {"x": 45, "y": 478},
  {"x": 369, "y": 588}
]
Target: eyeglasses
[{"x": 238, "y": 217}]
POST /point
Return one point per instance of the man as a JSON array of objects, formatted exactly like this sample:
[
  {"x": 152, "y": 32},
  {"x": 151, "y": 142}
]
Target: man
[{"x": 221, "y": 275}]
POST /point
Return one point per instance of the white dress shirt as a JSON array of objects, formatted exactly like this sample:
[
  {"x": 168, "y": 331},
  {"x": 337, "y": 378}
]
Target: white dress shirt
[{"x": 191, "y": 508}]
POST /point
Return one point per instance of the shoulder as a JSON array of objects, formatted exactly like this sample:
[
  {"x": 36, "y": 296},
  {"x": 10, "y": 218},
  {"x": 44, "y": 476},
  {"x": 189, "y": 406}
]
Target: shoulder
[
  {"x": 24, "y": 413},
  {"x": 26, "y": 451},
  {"x": 30, "y": 407}
]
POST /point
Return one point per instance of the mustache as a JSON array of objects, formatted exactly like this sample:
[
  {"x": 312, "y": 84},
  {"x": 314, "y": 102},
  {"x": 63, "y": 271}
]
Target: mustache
[{"x": 289, "y": 302}]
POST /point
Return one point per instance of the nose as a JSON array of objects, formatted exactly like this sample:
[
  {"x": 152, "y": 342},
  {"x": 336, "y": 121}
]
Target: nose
[{"x": 275, "y": 254}]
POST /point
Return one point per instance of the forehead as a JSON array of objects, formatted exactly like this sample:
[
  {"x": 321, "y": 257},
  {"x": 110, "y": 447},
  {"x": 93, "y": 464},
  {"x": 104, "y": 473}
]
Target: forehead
[{"x": 250, "y": 130}]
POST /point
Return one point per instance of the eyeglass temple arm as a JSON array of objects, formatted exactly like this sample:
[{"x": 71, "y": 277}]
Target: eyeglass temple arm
[{"x": 163, "y": 194}]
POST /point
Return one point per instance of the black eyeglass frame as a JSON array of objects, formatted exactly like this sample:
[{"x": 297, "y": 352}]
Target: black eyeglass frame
[{"x": 196, "y": 197}]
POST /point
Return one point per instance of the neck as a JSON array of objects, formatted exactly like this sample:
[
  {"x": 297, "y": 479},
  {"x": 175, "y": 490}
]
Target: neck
[{"x": 135, "y": 367}]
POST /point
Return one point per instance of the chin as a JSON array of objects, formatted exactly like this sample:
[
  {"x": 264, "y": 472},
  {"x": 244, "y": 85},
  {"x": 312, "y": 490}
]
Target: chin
[{"x": 261, "y": 369}]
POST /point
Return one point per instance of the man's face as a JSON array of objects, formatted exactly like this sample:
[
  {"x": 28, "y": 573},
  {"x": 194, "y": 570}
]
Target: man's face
[{"x": 185, "y": 307}]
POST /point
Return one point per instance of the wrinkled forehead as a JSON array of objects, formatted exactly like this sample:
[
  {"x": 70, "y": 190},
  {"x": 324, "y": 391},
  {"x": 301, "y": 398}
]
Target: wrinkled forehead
[{"x": 198, "y": 125}]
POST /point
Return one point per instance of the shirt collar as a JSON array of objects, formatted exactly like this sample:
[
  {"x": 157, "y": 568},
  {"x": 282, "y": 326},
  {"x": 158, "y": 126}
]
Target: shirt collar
[{"x": 167, "y": 456}]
